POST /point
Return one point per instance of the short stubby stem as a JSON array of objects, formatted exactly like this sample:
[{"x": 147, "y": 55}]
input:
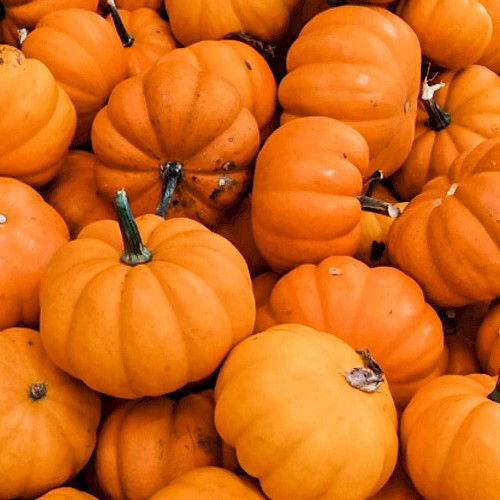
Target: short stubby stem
[
  {"x": 170, "y": 174},
  {"x": 37, "y": 391},
  {"x": 369, "y": 204},
  {"x": 366, "y": 378},
  {"x": 3, "y": 219}
]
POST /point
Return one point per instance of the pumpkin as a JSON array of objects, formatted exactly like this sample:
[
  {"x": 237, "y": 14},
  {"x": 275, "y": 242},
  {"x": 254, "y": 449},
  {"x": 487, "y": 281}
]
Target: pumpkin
[
  {"x": 360, "y": 65},
  {"x": 40, "y": 123},
  {"x": 67, "y": 493},
  {"x": 73, "y": 192},
  {"x": 488, "y": 339},
  {"x": 145, "y": 35},
  {"x": 144, "y": 444},
  {"x": 459, "y": 111},
  {"x": 47, "y": 418},
  {"x": 447, "y": 238},
  {"x": 197, "y": 20},
  {"x": 30, "y": 233},
  {"x": 209, "y": 483},
  {"x": 239, "y": 64},
  {"x": 19, "y": 14},
  {"x": 445, "y": 433},
  {"x": 490, "y": 57},
  {"x": 379, "y": 308},
  {"x": 135, "y": 319},
  {"x": 84, "y": 54},
  {"x": 307, "y": 179},
  {"x": 285, "y": 399},
  {"x": 175, "y": 113},
  {"x": 435, "y": 22}
]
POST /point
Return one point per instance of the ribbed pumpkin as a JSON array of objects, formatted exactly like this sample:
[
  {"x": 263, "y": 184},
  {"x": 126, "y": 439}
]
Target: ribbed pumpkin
[
  {"x": 448, "y": 237},
  {"x": 451, "y": 120},
  {"x": 47, "y": 418},
  {"x": 135, "y": 319},
  {"x": 84, "y": 54},
  {"x": 30, "y": 233},
  {"x": 488, "y": 340},
  {"x": 175, "y": 113},
  {"x": 67, "y": 493},
  {"x": 290, "y": 401},
  {"x": 379, "y": 308},
  {"x": 372, "y": 86},
  {"x": 146, "y": 443},
  {"x": 40, "y": 122}
]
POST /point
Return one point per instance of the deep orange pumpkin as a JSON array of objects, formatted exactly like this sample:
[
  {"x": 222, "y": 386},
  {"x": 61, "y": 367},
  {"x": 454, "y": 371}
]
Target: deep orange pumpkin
[{"x": 488, "y": 340}]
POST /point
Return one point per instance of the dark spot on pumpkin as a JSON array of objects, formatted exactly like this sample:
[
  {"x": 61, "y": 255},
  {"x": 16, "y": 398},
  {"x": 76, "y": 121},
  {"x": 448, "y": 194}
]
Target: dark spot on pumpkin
[
  {"x": 248, "y": 65},
  {"x": 175, "y": 203},
  {"x": 377, "y": 250},
  {"x": 2, "y": 60},
  {"x": 30, "y": 342},
  {"x": 230, "y": 139},
  {"x": 206, "y": 443},
  {"x": 194, "y": 178}
]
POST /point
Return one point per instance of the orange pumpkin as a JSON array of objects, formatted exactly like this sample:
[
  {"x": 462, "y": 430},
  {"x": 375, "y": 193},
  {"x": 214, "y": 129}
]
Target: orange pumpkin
[
  {"x": 488, "y": 340},
  {"x": 285, "y": 399},
  {"x": 144, "y": 444},
  {"x": 40, "y": 122},
  {"x": 491, "y": 56},
  {"x": 458, "y": 111},
  {"x": 442, "y": 431},
  {"x": 18, "y": 14},
  {"x": 133, "y": 319},
  {"x": 67, "y": 493},
  {"x": 174, "y": 113},
  {"x": 73, "y": 192},
  {"x": 47, "y": 418},
  {"x": 379, "y": 308},
  {"x": 84, "y": 54},
  {"x": 360, "y": 65},
  {"x": 447, "y": 238},
  {"x": 30, "y": 233}
]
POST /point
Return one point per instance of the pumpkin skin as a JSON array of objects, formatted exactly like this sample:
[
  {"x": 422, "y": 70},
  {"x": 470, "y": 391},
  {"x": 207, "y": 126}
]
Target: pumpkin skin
[
  {"x": 67, "y": 493},
  {"x": 40, "y": 123},
  {"x": 144, "y": 444},
  {"x": 447, "y": 238},
  {"x": 380, "y": 308},
  {"x": 372, "y": 86},
  {"x": 442, "y": 433},
  {"x": 26, "y": 13},
  {"x": 327, "y": 156},
  {"x": 30, "y": 233},
  {"x": 209, "y": 483},
  {"x": 197, "y": 20},
  {"x": 202, "y": 124},
  {"x": 435, "y": 22},
  {"x": 271, "y": 390},
  {"x": 471, "y": 98},
  {"x": 491, "y": 56},
  {"x": 84, "y": 54},
  {"x": 151, "y": 328},
  {"x": 47, "y": 418},
  {"x": 488, "y": 340},
  {"x": 152, "y": 37},
  {"x": 73, "y": 192}
]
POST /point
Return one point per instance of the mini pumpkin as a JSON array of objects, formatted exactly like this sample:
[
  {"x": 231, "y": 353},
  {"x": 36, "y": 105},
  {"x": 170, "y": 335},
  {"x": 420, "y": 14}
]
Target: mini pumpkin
[
  {"x": 488, "y": 339},
  {"x": 67, "y": 493}
]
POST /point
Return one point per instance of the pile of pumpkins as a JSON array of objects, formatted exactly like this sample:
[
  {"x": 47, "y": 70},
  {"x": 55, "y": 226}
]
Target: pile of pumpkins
[{"x": 249, "y": 249}]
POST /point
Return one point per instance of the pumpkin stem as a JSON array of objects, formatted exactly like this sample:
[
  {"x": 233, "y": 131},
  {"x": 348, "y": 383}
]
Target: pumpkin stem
[
  {"x": 367, "y": 378},
  {"x": 372, "y": 182},
  {"x": 369, "y": 204},
  {"x": 134, "y": 251},
  {"x": 266, "y": 50},
  {"x": 495, "y": 394},
  {"x": 439, "y": 119},
  {"x": 126, "y": 38},
  {"x": 3, "y": 219},
  {"x": 170, "y": 173},
  {"x": 37, "y": 391}
]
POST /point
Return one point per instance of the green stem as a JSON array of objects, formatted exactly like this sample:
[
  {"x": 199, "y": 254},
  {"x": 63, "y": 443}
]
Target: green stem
[
  {"x": 439, "y": 119},
  {"x": 495, "y": 395},
  {"x": 126, "y": 38},
  {"x": 170, "y": 173},
  {"x": 134, "y": 252},
  {"x": 37, "y": 391},
  {"x": 369, "y": 204}
]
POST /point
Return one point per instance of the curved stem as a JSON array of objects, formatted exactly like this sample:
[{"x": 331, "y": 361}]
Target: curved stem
[
  {"x": 266, "y": 50},
  {"x": 369, "y": 204},
  {"x": 372, "y": 182},
  {"x": 134, "y": 252},
  {"x": 439, "y": 119},
  {"x": 170, "y": 173},
  {"x": 495, "y": 394},
  {"x": 37, "y": 391},
  {"x": 126, "y": 38}
]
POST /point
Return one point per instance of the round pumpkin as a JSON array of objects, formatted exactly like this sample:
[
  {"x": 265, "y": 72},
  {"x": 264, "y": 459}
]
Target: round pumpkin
[
  {"x": 144, "y": 444},
  {"x": 135, "y": 319},
  {"x": 285, "y": 399},
  {"x": 174, "y": 112},
  {"x": 360, "y": 65},
  {"x": 488, "y": 340},
  {"x": 40, "y": 122},
  {"x": 447, "y": 434},
  {"x": 30, "y": 233},
  {"x": 459, "y": 109},
  {"x": 447, "y": 238},
  {"x": 84, "y": 54},
  {"x": 47, "y": 418},
  {"x": 67, "y": 493},
  {"x": 379, "y": 308}
]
